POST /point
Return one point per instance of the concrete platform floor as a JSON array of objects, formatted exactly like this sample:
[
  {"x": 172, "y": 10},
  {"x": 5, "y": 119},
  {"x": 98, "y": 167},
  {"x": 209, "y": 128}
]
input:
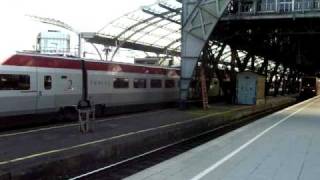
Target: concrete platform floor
[
  {"x": 30, "y": 150},
  {"x": 282, "y": 146}
]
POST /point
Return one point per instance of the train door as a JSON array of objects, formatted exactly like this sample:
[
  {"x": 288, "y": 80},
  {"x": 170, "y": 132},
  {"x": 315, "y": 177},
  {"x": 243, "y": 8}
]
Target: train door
[{"x": 46, "y": 96}]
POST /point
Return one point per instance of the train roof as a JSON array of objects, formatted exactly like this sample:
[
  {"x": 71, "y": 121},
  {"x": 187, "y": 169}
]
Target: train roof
[
  {"x": 91, "y": 60},
  {"x": 48, "y": 61}
]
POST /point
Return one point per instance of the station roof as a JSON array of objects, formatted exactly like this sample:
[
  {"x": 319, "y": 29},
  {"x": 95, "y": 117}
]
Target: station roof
[
  {"x": 153, "y": 28},
  {"x": 292, "y": 42},
  {"x": 157, "y": 28}
]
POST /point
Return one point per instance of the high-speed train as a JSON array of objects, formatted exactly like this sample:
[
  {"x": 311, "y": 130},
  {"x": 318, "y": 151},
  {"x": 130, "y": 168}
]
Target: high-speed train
[{"x": 33, "y": 83}]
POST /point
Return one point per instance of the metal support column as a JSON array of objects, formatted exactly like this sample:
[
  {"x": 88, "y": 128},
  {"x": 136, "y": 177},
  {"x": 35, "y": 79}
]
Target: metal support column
[
  {"x": 199, "y": 19},
  {"x": 283, "y": 80},
  {"x": 253, "y": 60},
  {"x": 204, "y": 92}
]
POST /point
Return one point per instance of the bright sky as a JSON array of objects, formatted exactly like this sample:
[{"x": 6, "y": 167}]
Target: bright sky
[{"x": 18, "y": 32}]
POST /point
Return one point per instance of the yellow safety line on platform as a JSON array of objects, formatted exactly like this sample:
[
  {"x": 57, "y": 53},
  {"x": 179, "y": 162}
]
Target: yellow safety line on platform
[{"x": 120, "y": 136}]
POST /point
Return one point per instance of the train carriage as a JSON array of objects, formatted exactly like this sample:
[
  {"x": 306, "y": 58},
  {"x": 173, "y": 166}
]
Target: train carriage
[{"x": 31, "y": 83}]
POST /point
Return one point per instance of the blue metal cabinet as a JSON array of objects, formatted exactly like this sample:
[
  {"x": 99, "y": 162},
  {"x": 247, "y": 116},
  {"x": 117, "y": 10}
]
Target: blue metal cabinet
[{"x": 248, "y": 87}]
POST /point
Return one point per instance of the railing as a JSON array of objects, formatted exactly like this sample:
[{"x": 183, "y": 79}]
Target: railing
[
  {"x": 276, "y": 6},
  {"x": 289, "y": 6},
  {"x": 247, "y": 8},
  {"x": 267, "y": 7}
]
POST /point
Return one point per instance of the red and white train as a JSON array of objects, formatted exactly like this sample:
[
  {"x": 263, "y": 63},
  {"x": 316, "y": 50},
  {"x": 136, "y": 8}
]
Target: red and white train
[{"x": 31, "y": 83}]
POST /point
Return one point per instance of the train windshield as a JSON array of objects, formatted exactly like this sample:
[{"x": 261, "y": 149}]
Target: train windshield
[{"x": 309, "y": 82}]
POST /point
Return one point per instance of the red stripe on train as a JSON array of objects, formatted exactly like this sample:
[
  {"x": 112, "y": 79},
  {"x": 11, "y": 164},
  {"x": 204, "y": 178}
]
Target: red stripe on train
[
  {"x": 39, "y": 61},
  {"x": 54, "y": 62}
]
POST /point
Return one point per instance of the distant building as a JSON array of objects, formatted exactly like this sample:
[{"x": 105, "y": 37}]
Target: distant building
[{"x": 53, "y": 42}]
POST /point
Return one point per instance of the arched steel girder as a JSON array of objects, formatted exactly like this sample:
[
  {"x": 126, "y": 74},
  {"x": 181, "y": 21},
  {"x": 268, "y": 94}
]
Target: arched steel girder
[
  {"x": 161, "y": 16},
  {"x": 166, "y": 35},
  {"x": 199, "y": 20},
  {"x": 97, "y": 50},
  {"x": 165, "y": 28},
  {"x": 138, "y": 30},
  {"x": 146, "y": 21},
  {"x": 216, "y": 47},
  {"x": 135, "y": 32},
  {"x": 144, "y": 33},
  {"x": 172, "y": 9},
  {"x": 160, "y": 37},
  {"x": 224, "y": 57},
  {"x": 173, "y": 43},
  {"x": 176, "y": 48},
  {"x": 171, "y": 31}
]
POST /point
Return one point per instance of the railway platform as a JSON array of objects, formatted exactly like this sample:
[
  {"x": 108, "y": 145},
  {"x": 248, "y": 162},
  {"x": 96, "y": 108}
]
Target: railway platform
[
  {"x": 62, "y": 151},
  {"x": 281, "y": 146}
]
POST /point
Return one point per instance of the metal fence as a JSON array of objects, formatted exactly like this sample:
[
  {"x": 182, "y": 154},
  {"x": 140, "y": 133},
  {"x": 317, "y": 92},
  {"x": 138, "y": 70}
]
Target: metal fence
[{"x": 274, "y": 6}]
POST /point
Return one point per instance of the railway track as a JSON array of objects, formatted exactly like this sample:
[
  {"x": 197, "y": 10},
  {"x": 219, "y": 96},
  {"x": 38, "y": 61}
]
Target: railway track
[
  {"x": 138, "y": 163},
  {"x": 135, "y": 164}
]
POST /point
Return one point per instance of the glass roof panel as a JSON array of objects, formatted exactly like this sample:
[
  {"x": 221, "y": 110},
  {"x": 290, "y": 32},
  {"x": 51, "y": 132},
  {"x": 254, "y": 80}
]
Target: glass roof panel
[{"x": 155, "y": 25}]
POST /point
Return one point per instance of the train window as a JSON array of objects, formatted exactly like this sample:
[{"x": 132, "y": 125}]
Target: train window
[
  {"x": 140, "y": 83},
  {"x": 169, "y": 84},
  {"x": 47, "y": 82},
  {"x": 14, "y": 82},
  {"x": 156, "y": 83},
  {"x": 120, "y": 83}
]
